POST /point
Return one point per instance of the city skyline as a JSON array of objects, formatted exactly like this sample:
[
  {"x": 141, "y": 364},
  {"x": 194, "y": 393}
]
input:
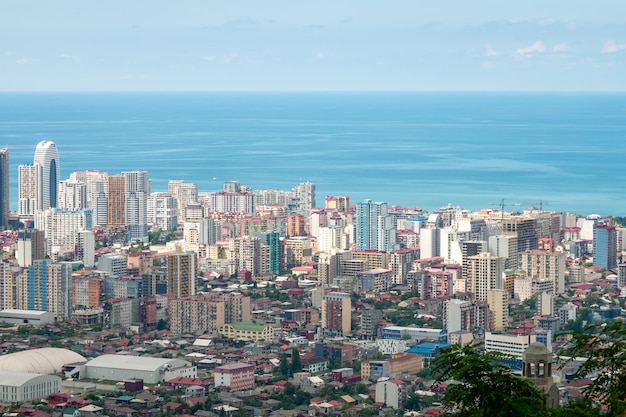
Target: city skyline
[{"x": 321, "y": 46}]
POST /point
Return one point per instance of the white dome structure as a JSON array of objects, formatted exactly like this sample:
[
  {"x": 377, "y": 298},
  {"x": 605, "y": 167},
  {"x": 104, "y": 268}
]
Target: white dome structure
[{"x": 39, "y": 361}]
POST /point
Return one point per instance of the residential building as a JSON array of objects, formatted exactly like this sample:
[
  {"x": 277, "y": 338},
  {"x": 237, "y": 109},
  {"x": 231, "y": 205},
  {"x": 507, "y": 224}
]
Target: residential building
[
  {"x": 181, "y": 274},
  {"x": 374, "y": 227},
  {"x": 137, "y": 190},
  {"x": 391, "y": 392},
  {"x": 604, "y": 246},
  {"x": 484, "y": 274},
  {"x": 4, "y": 188},
  {"x": 28, "y": 179},
  {"x": 235, "y": 376},
  {"x": 47, "y": 156},
  {"x": 336, "y": 313}
]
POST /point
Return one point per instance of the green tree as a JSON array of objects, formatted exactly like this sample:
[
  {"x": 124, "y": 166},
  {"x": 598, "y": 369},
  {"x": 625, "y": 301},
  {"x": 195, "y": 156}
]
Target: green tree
[
  {"x": 582, "y": 407},
  {"x": 604, "y": 347},
  {"x": 296, "y": 365},
  {"x": 483, "y": 386}
]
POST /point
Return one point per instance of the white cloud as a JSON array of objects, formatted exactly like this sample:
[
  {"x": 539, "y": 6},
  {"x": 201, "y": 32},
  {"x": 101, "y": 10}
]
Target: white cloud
[
  {"x": 610, "y": 47},
  {"x": 230, "y": 58},
  {"x": 209, "y": 58},
  {"x": 561, "y": 47},
  {"x": 320, "y": 55},
  {"x": 490, "y": 51},
  {"x": 530, "y": 50},
  {"x": 23, "y": 61}
]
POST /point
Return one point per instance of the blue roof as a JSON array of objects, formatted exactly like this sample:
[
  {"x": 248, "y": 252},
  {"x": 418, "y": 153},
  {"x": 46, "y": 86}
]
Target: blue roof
[{"x": 427, "y": 347}]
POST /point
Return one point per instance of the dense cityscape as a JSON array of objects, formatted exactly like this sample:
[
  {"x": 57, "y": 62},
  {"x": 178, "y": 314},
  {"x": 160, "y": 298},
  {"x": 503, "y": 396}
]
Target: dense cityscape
[{"x": 119, "y": 300}]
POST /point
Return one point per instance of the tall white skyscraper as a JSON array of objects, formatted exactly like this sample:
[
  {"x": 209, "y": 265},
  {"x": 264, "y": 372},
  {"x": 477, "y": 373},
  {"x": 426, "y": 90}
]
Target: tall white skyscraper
[
  {"x": 72, "y": 195},
  {"x": 137, "y": 191},
  {"x": 47, "y": 156},
  {"x": 28, "y": 189}
]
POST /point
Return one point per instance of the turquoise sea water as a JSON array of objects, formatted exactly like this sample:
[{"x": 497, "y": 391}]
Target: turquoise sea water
[{"x": 412, "y": 149}]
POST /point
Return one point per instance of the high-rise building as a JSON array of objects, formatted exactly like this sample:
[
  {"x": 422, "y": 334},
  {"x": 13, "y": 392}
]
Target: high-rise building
[
  {"x": 7, "y": 285},
  {"x": 47, "y": 156},
  {"x": 341, "y": 203},
  {"x": 60, "y": 289},
  {"x": 137, "y": 188},
  {"x": 374, "y": 228},
  {"x": 544, "y": 265},
  {"x": 28, "y": 180},
  {"x": 181, "y": 274},
  {"x": 185, "y": 193},
  {"x": 498, "y": 301},
  {"x": 31, "y": 245},
  {"x": 604, "y": 246},
  {"x": 162, "y": 211},
  {"x": 271, "y": 240},
  {"x": 484, "y": 274},
  {"x": 336, "y": 313},
  {"x": 61, "y": 225},
  {"x": 116, "y": 200},
  {"x": 95, "y": 181},
  {"x": 4, "y": 188},
  {"x": 72, "y": 195}
]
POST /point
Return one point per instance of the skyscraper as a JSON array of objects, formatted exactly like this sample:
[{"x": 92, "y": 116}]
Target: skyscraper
[
  {"x": 181, "y": 274},
  {"x": 116, "y": 200},
  {"x": 374, "y": 228},
  {"x": 136, "y": 193},
  {"x": 4, "y": 188},
  {"x": 28, "y": 189},
  {"x": 336, "y": 313},
  {"x": 47, "y": 156},
  {"x": 604, "y": 246},
  {"x": 484, "y": 274}
]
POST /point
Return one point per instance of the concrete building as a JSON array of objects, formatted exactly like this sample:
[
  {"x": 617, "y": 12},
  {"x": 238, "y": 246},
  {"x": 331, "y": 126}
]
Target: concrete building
[
  {"x": 47, "y": 156},
  {"x": 336, "y": 314},
  {"x": 374, "y": 227},
  {"x": 181, "y": 274},
  {"x": 28, "y": 182},
  {"x": 16, "y": 387},
  {"x": 72, "y": 195},
  {"x": 151, "y": 370},
  {"x": 116, "y": 200},
  {"x": 604, "y": 246},
  {"x": 60, "y": 226},
  {"x": 414, "y": 333},
  {"x": 498, "y": 300},
  {"x": 391, "y": 392},
  {"x": 162, "y": 212},
  {"x": 541, "y": 265},
  {"x": 235, "y": 376},
  {"x": 4, "y": 188},
  {"x": 31, "y": 245},
  {"x": 26, "y": 317},
  {"x": 116, "y": 265},
  {"x": 484, "y": 274},
  {"x": 137, "y": 190},
  {"x": 185, "y": 193},
  {"x": 252, "y": 330}
]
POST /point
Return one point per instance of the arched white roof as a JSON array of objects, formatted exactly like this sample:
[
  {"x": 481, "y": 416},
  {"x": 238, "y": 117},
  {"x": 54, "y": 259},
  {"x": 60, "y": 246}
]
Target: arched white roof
[{"x": 39, "y": 361}]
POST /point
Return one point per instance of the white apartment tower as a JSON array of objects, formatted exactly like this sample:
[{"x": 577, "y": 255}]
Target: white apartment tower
[
  {"x": 185, "y": 193},
  {"x": 162, "y": 211},
  {"x": 72, "y": 195},
  {"x": 137, "y": 189},
  {"x": 47, "y": 157},
  {"x": 28, "y": 188}
]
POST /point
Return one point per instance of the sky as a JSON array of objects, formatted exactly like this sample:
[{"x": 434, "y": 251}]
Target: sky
[{"x": 322, "y": 45}]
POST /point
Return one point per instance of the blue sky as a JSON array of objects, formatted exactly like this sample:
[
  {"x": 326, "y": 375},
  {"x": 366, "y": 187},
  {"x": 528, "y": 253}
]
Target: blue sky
[{"x": 315, "y": 45}]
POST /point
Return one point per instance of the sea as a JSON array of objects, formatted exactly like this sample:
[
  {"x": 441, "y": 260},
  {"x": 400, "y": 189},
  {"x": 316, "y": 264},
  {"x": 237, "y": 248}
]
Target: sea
[{"x": 556, "y": 151}]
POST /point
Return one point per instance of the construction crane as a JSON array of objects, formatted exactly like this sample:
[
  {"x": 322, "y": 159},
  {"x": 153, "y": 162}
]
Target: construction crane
[{"x": 502, "y": 205}]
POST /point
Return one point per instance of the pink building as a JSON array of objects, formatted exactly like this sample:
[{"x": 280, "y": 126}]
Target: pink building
[{"x": 235, "y": 376}]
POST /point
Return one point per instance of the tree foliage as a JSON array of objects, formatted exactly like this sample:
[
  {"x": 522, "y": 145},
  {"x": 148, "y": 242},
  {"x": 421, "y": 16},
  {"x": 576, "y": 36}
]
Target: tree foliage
[
  {"x": 481, "y": 385},
  {"x": 604, "y": 347}
]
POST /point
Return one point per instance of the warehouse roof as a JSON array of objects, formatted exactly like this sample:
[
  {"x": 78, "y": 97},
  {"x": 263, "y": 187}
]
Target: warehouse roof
[
  {"x": 39, "y": 361},
  {"x": 135, "y": 363},
  {"x": 17, "y": 379}
]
